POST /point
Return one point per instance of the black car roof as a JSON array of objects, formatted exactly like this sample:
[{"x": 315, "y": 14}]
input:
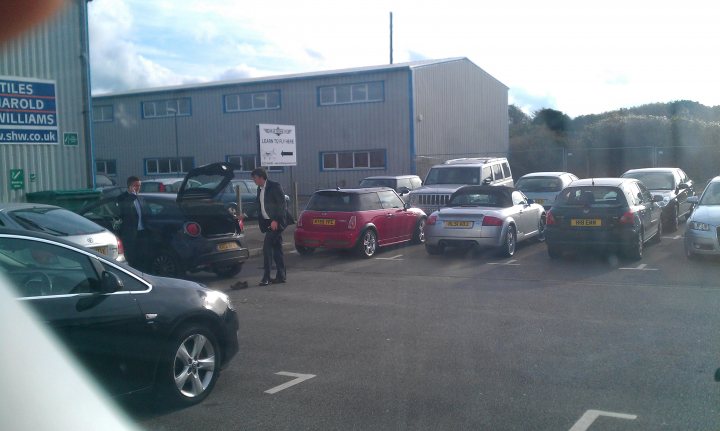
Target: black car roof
[
  {"x": 355, "y": 191},
  {"x": 503, "y": 190}
]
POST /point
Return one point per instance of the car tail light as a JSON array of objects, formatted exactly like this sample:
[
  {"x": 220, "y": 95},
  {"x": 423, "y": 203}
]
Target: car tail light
[
  {"x": 161, "y": 188},
  {"x": 192, "y": 229},
  {"x": 299, "y": 220},
  {"x": 627, "y": 218},
  {"x": 121, "y": 247},
  {"x": 352, "y": 222},
  {"x": 549, "y": 218},
  {"x": 431, "y": 220},
  {"x": 491, "y": 221},
  {"x": 241, "y": 224}
]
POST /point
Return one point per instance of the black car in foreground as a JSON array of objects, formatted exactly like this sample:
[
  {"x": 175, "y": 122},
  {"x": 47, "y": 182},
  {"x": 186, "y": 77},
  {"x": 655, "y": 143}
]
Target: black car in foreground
[
  {"x": 189, "y": 231},
  {"x": 133, "y": 332},
  {"x": 675, "y": 187},
  {"x": 611, "y": 214}
]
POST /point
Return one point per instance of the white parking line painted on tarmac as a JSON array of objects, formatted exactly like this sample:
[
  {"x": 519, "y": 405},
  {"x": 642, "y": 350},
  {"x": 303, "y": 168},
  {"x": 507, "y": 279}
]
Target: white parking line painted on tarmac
[
  {"x": 642, "y": 267},
  {"x": 299, "y": 378},
  {"x": 510, "y": 262},
  {"x": 589, "y": 417},
  {"x": 390, "y": 258}
]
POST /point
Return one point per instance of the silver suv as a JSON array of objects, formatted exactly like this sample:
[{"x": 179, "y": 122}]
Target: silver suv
[{"x": 442, "y": 180}]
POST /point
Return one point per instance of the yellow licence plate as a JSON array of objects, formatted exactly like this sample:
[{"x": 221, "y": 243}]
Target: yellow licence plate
[
  {"x": 227, "y": 246},
  {"x": 586, "y": 222},
  {"x": 539, "y": 201},
  {"x": 459, "y": 224},
  {"x": 324, "y": 221},
  {"x": 101, "y": 250}
]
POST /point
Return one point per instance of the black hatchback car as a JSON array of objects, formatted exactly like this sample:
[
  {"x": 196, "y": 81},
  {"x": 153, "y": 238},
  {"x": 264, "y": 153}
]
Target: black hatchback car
[
  {"x": 133, "y": 332},
  {"x": 190, "y": 230},
  {"x": 675, "y": 187},
  {"x": 613, "y": 214}
]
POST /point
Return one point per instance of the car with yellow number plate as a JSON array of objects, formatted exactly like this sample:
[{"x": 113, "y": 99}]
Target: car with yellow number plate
[
  {"x": 360, "y": 219},
  {"x": 485, "y": 216},
  {"x": 610, "y": 214}
]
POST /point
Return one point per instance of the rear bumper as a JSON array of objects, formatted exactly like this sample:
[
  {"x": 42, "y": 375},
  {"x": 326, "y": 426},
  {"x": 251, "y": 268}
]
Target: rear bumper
[
  {"x": 338, "y": 240},
  {"x": 203, "y": 252},
  {"x": 438, "y": 235},
  {"x": 590, "y": 238}
]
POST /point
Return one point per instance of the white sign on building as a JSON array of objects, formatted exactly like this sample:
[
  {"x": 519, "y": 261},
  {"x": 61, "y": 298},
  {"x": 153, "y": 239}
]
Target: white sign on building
[{"x": 276, "y": 144}]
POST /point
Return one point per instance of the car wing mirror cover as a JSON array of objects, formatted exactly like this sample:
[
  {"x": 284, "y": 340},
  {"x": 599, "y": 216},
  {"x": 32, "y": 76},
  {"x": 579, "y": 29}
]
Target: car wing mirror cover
[{"x": 110, "y": 283}]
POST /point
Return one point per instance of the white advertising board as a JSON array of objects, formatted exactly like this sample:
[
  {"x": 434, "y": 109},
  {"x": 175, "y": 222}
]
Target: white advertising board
[{"x": 276, "y": 144}]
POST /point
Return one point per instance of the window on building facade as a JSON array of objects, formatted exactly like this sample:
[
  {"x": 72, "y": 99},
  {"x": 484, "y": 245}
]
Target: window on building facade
[
  {"x": 365, "y": 159},
  {"x": 168, "y": 165},
  {"x": 248, "y": 162},
  {"x": 102, "y": 113},
  {"x": 107, "y": 167},
  {"x": 252, "y": 101},
  {"x": 166, "y": 108},
  {"x": 352, "y": 93}
]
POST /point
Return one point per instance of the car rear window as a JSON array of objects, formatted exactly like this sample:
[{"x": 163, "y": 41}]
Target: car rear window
[
  {"x": 377, "y": 182},
  {"x": 343, "y": 201},
  {"x": 54, "y": 221},
  {"x": 654, "y": 180},
  {"x": 594, "y": 196},
  {"x": 539, "y": 184}
]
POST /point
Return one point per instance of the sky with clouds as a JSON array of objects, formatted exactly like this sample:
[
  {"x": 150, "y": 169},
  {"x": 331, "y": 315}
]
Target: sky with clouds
[{"x": 580, "y": 57}]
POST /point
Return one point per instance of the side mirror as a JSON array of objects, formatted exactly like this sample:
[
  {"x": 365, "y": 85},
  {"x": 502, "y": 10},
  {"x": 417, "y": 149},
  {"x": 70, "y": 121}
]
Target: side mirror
[
  {"x": 110, "y": 283},
  {"x": 406, "y": 206},
  {"x": 487, "y": 181},
  {"x": 530, "y": 201},
  {"x": 403, "y": 190},
  {"x": 683, "y": 186},
  {"x": 693, "y": 199}
]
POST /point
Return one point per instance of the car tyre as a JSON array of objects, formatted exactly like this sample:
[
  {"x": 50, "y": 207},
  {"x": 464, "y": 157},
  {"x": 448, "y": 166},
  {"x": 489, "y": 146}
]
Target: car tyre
[
  {"x": 635, "y": 250},
  {"x": 228, "y": 270},
  {"x": 434, "y": 249},
  {"x": 674, "y": 219},
  {"x": 301, "y": 249},
  {"x": 166, "y": 264},
  {"x": 367, "y": 244},
  {"x": 419, "y": 233},
  {"x": 509, "y": 243},
  {"x": 542, "y": 224},
  {"x": 190, "y": 367}
]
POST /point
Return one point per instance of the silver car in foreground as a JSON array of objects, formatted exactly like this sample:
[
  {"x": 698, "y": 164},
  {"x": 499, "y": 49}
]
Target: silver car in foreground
[
  {"x": 485, "y": 216},
  {"x": 702, "y": 235},
  {"x": 61, "y": 222}
]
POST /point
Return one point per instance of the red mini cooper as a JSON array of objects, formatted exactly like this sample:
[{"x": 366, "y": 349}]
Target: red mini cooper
[{"x": 360, "y": 219}]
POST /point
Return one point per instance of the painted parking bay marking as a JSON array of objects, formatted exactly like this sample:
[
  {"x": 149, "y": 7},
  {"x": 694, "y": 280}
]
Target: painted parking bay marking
[
  {"x": 589, "y": 417},
  {"x": 510, "y": 262},
  {"x": 299, "y": 378},
  {"x": 642, "y": 267},
  {"x": 390, "y": 258}
]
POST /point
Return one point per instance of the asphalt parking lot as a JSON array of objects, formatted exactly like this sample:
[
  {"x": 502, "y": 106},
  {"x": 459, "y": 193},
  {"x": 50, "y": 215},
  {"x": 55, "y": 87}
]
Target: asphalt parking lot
[{"x": 468, "y": 340}]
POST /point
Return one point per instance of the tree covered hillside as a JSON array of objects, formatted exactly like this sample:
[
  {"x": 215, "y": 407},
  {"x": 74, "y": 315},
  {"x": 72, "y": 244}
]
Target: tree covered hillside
[{"x": 685, "y": 134}]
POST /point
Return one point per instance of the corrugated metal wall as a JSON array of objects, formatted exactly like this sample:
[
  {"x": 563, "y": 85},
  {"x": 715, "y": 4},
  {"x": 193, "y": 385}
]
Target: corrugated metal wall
[
  {"x": 460, "y": 111},
  {"x": 51, "y": 51},
  {"x": 210, "y": 134}
]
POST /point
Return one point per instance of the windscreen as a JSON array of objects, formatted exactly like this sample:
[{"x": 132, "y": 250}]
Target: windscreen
[
  {"x": 455, "y": 175},
  {"x": 54, "y": 221},
  {"x": 711, "y": 196},
  {"x": 539, "y": 184},
  {"x": 591, "y": 196},
  {"x": 654, "y": 180},
  {"x": 377, "y": 182}
]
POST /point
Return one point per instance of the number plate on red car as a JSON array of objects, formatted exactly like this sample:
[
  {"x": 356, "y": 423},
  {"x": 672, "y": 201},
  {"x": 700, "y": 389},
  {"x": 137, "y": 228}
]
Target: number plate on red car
[{"x": 324, "y": 221}]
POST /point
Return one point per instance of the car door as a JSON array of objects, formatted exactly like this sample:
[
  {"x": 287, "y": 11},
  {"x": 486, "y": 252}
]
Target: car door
[
  {"x": 649, "y": 212},
  {"x": 526, "y": 215},
  {"x": 396, "y": 216},
  {"x": 61, "y": 284}
]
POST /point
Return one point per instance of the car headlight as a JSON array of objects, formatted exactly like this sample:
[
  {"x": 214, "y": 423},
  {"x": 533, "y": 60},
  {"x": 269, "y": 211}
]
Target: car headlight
[
  {"x": 696, "y": 225},
  {"x": 213, "y": 297}
]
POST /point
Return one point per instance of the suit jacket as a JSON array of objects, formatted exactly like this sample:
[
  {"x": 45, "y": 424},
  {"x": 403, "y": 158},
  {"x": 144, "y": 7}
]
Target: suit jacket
[
  {"x": 275, "y": 206},
  {"x": 129, "y": 215}
]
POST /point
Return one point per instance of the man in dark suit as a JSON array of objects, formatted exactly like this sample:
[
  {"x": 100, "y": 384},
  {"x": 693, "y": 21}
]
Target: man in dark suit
[
  {"x": 132, "y": 227},
  {"x": 271, "y": 218}
]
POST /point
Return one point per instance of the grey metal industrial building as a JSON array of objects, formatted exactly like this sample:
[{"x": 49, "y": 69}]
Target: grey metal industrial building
[
  {"x": 45, "y": 107},
  {"x": 352, "y": 123}
]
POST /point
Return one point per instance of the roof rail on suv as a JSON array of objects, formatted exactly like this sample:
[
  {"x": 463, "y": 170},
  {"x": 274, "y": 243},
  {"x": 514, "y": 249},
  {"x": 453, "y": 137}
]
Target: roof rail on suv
[{"x": 469, "y": 160}]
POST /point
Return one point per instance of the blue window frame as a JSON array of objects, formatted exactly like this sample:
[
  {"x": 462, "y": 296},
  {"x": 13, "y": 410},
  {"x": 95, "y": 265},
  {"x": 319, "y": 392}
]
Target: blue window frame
[
  {"x": 257, "y": 101},
  {"x": 362, "y": 92},
  {"x": 166, "y": 108},
  {"x": 353, "y": 160}
]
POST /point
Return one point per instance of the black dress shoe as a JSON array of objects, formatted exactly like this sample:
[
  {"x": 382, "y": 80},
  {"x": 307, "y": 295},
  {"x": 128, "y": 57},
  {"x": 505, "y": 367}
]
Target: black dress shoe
[
  {"x": 277, "y": 280},
  {"x": 264, "y": 282}
]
